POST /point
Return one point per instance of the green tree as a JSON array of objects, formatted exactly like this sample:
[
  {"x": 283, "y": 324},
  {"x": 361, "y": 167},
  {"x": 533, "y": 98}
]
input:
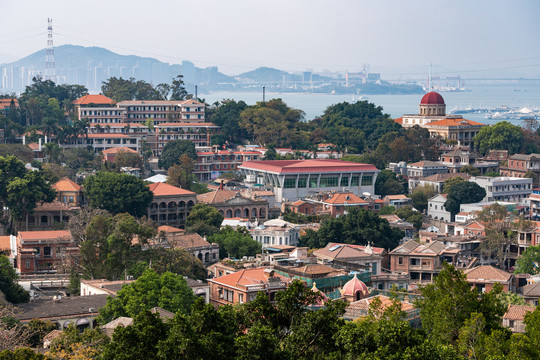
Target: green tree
[
  {"x": 182, "y": 175},
  {"x": 227, "y": 115},
  {"x": 168, "y": 291},
  {"x": 501, "y": 136},
  {"x": 52, "y": 152},
  {"x": 118, "y": 193},
  {"x": 448, "y": 183},
  {"x": 529, "y": 261},
  {"x": 408, "y": 214},
  {"x": 74, "y": 344},
  {"x": 469, "y": 169},
  {"x": 178, "y": 91},
  {"x": 359, "y": 227},
  {"x": 387, "y": 183},
  {"x": 204, "y": 220},
  {"x": 38, "y": 329},
  {"x": 235, "y": 243},
  {"x": 450, "y": 301},
  {"x": 22, "y": 354},
  {"x": 463, "y": 193},
  {"x": 9, "y": 286},
  {"x": 177, "y": 261},
  {"x": 420, "y": 196},
  {"x": 173, "y": 151}
]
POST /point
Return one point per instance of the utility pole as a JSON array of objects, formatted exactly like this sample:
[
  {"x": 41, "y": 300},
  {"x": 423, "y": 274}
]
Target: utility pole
[{"x": 50, "y": 67}]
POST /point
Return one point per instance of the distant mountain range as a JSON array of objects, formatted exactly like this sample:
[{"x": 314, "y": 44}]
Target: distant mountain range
[{"x": 90, "y": 66}]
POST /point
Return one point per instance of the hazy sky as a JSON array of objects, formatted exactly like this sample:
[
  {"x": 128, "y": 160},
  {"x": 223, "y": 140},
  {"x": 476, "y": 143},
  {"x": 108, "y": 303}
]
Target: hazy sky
[{"x": 397, "y": 38}]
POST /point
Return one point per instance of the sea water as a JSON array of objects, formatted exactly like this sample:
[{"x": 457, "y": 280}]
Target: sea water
[{"x": 517, "y": 95}]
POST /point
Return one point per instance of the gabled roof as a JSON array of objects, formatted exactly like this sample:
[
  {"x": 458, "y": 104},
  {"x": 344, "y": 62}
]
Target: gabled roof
[
  {"x": 445, "y": 176},
  {"x": 518, "y": 312},
  {"x": 189, "y": 241},
  {"x": 45, "y": 235},
  {"x": 170, "y": 229},
  {"x": 116, "y": 150},
  {"x": 487, "y": 273},
  {"x": 397, "y": 197},
  {"x": 216, "y": 197},
  {"x": 475, "y": 225},
  {"x": 531, "y": 290},
  {"x": 162, "y": 189},
  {"x": 344, "y": 198},
  {"x": 65, "y": 184},
  {"x": 93, "y": 99},
  {"x": 340, "y": 251},
  {"x": 405, "y": 248},
  {"x": 245, "y": 277},
  {"x": 524, "y": 157},
  {"x": 426, "y": 163},
  {"x": 454, "y": 122}
]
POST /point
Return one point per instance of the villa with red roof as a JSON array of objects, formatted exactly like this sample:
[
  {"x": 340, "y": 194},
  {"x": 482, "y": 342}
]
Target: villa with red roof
[
  {"x": 291, "y": 180},
  {"x": 433, "y": 117},
  {"x": 171, "y": 205},
  {"x": 244, "y": 285}
]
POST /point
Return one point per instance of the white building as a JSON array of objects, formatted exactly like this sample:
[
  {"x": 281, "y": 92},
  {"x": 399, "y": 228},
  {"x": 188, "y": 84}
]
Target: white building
[
  {"x": 297, "y": 179},
  {"x": 436, "y": 208},
  {"x": 276, "y": 232},
  {"x": 510, "y": 189}
]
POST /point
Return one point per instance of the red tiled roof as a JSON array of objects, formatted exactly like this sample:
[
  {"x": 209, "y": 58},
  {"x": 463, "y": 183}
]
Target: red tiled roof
[
  {"x": 518, "y": 312},
  {"x": 487, "y": 273},
  {"x": 66, "y": 184},
  {"x": 216, "y": 197},
  {"x": 5, "y": 103},
  {"x": 34, "y": 146},
  {"x": 116, "y": 150},
  {"x": 189, "y": 241},
  {"x": 162, "y": 189},
  {"x": 116, "y": 125},
  {"x": 246, "y": 277},
  {"x": 44, "y": 235},
  {"x": 399, "y": 120},
  {"x": 5, "y": 243},
  {"x": 181, "y": 124},
  {"x": 345, "y": 198},
  {"x": 454, "y": 122},
  {"x": 432, "y": 98},
  {"x": 93, "y": 99},
  {"x": 397, "y": 197},
  {"x": 98, "y": 136},
  {"x": 307, "y": 166},
  {"x": 170, "y": 229}
]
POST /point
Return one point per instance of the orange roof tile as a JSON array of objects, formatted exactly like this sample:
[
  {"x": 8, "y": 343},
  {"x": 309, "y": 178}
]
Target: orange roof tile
[
  {"x": 44, "y": 235},
  {"x": 189, "y": 241},
  {"x": 454, "y": 122},
  {"x": 66, "y": 184},
  {"x": 517, "y": 312},
  {"x": 246, "y": 277},
  {"x": 345, "y": 198},
  {"x": 5, "y": 243},
  {"x": 487, "y": 273},
  {"x": 116, "y": 150},
  {"x": 162, "y": 189},
  {"x": 170, "y": 229},
  {"x": 399, "y": 120},
  {"x": 216, "y": 197},
  {"x": 93, "y": 99}
]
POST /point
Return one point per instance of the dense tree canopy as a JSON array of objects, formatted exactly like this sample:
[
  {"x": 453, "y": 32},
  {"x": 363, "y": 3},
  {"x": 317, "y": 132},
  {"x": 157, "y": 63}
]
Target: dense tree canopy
[
  {"x": 204, "y": 220},
  {"x": 168, "y": 291},
  {"x": 388, "y": 183},
  {"x": 420, "y": 196},
  {"x": 173, "y": 151},
  {"x": 235, "y": 243},
  {"x": 9, "y": 286},
  {"x": 357, "y": 227},
  {"x": 227, "y": 115},
  {"x": 500, "y": 136},
  {"x": 463, "y": 193},
  {"x": 118, "y": 193},
  {"x": 529, "y": 261}
]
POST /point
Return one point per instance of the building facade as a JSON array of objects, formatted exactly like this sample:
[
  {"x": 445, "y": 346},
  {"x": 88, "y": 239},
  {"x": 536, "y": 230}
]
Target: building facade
[{"x": 171, "y": 205}]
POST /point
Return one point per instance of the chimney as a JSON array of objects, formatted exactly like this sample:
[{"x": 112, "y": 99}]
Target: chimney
[
  {"x": 24, "y": 139},
  {"x": 221, "y": 185},
  {"x": 39, "y": 144}
]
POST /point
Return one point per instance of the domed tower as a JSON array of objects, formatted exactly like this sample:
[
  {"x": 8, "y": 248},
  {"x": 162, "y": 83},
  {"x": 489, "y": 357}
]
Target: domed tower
[
  {"x": 432, "y": 104},
  {"x": 354, "y": 290}
]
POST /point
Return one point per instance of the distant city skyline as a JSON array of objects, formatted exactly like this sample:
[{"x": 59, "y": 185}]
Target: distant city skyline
[{"x": 396, "y": 38}]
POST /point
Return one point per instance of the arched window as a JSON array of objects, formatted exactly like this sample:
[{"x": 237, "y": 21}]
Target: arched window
[
  {"x": 229, "y": 214},
  {"x": 181, "y": 205},
  {"x": 206, "y": 257},
  {"x": 237, "y": 213},
  {"x": 254, "y": 213},
  {"x": 162, "y": 205},
  {"x": 246, "y": 213},
  {"x": 172, "y": 205}
]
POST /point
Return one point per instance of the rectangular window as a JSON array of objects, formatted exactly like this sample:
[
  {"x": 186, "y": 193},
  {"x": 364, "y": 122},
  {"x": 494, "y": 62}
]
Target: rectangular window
[
  {"x": 313, "y": 182},
  {"x": 328, "y": 182},
  {"x": 367, "y": 180},
  {"x": 47, "y": 251},
  {"x": 400, "y": 260},
  {"x": 241, "y": 298},
  {"x": 344, "y": 181},
  {"x": 290, "y": 183},
  {"x": 27, "y": 264},
  {"x": 355, "y": 181},
  {"x": 302, "y": 182}
]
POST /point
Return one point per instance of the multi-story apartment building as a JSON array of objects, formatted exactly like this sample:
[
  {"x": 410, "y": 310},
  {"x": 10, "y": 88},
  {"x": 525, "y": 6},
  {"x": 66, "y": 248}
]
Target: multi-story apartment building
[
  {"x": 511, "y": 189},
  {"x": 163, "y": 111},
  {"x": 519, "y": 164},
  {"x": 421, "y": 262},
  {"x": 211, "y": 164}
]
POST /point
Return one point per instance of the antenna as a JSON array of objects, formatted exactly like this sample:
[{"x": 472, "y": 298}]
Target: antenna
[{"x": 50, "y": 68}]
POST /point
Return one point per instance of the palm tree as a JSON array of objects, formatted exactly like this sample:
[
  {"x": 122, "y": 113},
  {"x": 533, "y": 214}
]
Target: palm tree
[{"x": 52, "y": 152}]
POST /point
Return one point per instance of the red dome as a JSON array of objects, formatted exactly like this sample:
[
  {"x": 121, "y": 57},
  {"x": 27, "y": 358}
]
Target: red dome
[
  {"x": 432, "y": 98},
  {"x": 354, "y": 286}
]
